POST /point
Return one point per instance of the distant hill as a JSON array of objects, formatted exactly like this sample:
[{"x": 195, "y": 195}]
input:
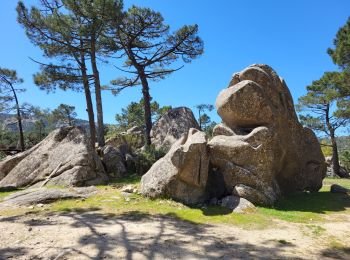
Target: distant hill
[
  {"x": 9, "y": 122},
  {"x": 343, "y": 142}
]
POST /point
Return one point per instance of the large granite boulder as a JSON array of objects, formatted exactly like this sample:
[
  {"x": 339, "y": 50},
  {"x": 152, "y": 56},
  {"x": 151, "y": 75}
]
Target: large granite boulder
[
  {"x": 261, "y": 148},
  {"x": 182, "y": 173},
  {"x": 64, "y": 157},
  {"x": 259, "y": 152},
  {"x": 171, "y": 126}
]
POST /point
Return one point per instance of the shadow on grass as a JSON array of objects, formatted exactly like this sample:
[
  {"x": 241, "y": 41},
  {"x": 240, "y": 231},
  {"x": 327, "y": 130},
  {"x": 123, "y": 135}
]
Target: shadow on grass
[
  {"x": 215, "y": 211},
  {"x": 316, "y": 202}
]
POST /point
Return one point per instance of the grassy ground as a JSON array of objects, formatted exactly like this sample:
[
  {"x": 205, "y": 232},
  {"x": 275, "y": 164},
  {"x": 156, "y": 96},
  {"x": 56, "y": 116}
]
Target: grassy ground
[{"x": 299, "y": 208}]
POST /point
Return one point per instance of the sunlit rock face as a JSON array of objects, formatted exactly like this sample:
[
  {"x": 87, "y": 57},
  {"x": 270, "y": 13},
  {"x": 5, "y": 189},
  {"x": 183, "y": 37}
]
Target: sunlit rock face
[
  {"x": 259, "y": 152},
  {"x": 261, "y": 148},
  {"x": 172, "y": 126},
  {"x": 64, "y": 158}
]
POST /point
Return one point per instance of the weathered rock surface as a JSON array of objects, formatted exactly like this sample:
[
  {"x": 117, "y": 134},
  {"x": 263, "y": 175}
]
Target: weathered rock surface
[
  {"x": 64, "y": 157},
  {"x": 259, "y": 152},
  {"x": 171, "y": 126},
  {"x": 114, "y": 161},
  {"x": 182, "y": 173},
  {"x": 44, "y": 195},
  {"x": 237, "y": 204},
  {"x": 261, "y": 148}
]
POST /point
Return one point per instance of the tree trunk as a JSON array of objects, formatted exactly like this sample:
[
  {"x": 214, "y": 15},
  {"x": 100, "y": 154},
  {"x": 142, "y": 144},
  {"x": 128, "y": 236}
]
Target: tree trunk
[
  {"x": 335, "y": 155},
  {"x": 19, "y": 120},
  {"x": 100, "y": 127},
  {"x": 199, "y": 119},
  {"x": 147, "y": 108},
  {"x": 89, "y": 109}
]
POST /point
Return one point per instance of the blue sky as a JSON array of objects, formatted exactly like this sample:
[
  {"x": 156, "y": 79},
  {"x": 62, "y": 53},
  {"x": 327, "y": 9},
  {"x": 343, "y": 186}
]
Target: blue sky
[{"x": 291, "y": 36}]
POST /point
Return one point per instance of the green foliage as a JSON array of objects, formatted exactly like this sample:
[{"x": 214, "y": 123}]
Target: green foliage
[
  {"x": 341, "y": 52},
  {"x": 65, "y": 114},
  {"x": 305, "y": 208},
  {"x": 134, "y": 115},
  {"x": 146, "y": 158},
  {"x": 2, "y": 155},
  {"x": 345, "y": 159},
  {"x": 143, "y": 30},
  {"x": 203, "y": 119}
]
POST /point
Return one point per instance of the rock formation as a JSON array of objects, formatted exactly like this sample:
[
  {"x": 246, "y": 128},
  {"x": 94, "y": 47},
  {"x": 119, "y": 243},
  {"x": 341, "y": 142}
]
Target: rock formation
[
  {"x": 182, "y": 173},
  {"x": 259, "y": 152},
  {"x": 114, "y": 161},
  {"x": 64, "y": 157},
  {"x": 44, "y": 195},
  {"x": 171, "y": 126}
]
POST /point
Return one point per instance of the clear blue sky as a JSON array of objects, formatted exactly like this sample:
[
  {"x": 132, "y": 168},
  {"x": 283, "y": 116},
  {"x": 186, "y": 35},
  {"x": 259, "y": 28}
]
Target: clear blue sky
[{"x": 291, "y": 36}]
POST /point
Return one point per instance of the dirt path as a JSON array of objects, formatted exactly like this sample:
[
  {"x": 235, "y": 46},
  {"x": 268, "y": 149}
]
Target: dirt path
[{"x": 94, "y": 235}]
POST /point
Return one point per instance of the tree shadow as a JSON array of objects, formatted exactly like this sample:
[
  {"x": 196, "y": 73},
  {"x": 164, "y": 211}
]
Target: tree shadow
[
  {"x": 12, "y": 252},
  {"x": 336, "y": 253},
  {"x": 316, "y": 202},
  {"x": 136, "y": 234}
]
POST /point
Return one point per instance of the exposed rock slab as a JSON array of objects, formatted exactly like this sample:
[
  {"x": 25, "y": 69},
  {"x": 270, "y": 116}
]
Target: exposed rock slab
[
  {"x": 182, "y": 173},
  {"x": 64, "y": 157},
  {"x": 171, "y": 126},
  {"x": 45, "y": 195}
]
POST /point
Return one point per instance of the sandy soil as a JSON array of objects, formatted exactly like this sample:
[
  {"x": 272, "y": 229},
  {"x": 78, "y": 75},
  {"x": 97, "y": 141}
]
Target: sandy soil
[{"x": 95, "y": 235}]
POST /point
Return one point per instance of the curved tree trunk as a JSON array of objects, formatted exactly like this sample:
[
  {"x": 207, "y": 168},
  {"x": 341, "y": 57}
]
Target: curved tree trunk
[
  {"x": 100, "y": 127},
  {"x": 19, "y": 120}
]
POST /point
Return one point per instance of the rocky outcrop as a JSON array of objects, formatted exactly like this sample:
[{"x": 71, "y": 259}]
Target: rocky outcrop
[
  {"x": 171, "y": 126},
  {"x": 259, "y": 152},
  {"x": 44, "y": 195},
  {"x": 64, "y": 157},
  {"x": 182, "y": 173},
  {"x": 261, "y": 148}
]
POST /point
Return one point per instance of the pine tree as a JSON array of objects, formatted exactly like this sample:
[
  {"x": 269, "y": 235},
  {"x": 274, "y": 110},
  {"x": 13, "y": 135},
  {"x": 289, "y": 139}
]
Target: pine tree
[
  {"x": 150, "y": 50},
  {"x": 8, "y": 96}
]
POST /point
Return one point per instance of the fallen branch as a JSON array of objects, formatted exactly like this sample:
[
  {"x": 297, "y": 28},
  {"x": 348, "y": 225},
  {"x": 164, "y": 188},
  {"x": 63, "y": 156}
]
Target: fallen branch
[{"x": 52, "y": 174}]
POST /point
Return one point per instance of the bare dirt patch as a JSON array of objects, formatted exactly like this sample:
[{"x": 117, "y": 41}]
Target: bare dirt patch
[{"x": 97, "y": 235}]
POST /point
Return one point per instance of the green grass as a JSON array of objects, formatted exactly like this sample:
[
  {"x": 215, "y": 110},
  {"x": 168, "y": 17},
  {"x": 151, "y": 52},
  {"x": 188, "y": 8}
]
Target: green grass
[
  {"x": 300, "y": 208},
  {"x": 308, "y": 207}
]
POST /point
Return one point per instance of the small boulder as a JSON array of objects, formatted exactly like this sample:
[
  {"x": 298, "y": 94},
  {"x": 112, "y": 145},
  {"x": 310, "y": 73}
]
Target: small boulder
[
  {"x": 171, "y": 126},
  {"x": 237, "y": 204}
]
